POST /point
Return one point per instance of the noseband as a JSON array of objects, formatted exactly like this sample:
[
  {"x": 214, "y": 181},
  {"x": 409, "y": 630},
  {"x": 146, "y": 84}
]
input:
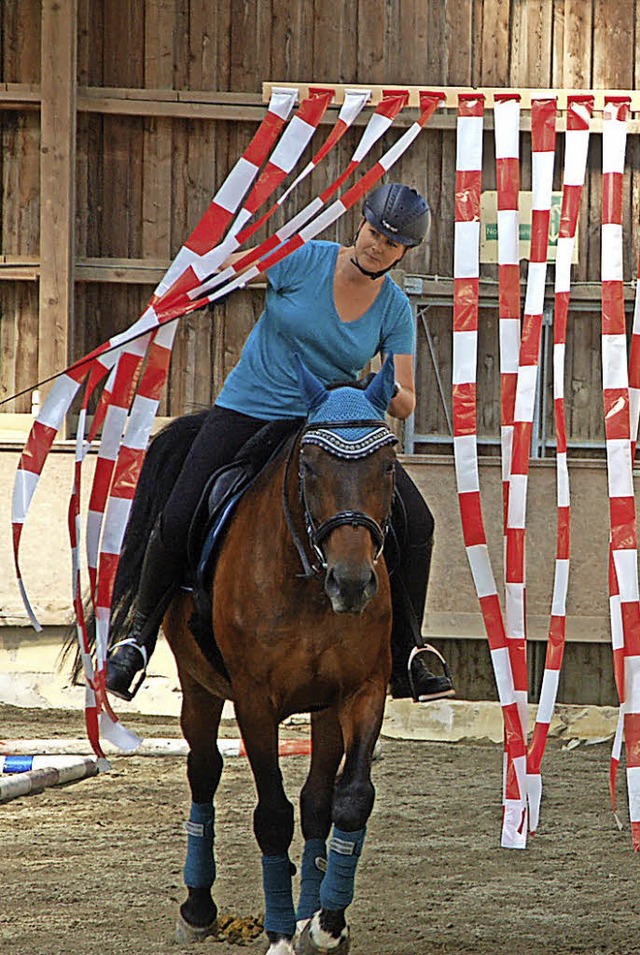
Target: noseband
[{"x": 323, "y": 434}]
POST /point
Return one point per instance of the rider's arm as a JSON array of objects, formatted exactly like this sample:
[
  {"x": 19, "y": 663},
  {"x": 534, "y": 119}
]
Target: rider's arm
[{"x": 404, "y": 400}]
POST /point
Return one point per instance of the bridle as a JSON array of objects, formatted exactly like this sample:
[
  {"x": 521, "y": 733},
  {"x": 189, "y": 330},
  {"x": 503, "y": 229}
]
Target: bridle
[{"x": 318, "y": 533}]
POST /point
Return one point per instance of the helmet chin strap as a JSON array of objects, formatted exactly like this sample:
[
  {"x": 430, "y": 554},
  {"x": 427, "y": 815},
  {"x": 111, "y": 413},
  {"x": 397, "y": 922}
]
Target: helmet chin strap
[{"x": 373, "y": 275}]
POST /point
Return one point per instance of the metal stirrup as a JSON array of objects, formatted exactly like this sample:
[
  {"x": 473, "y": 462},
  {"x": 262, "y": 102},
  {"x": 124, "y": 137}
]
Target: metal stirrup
[
  {"x": 424, "y": 648},
  {"x": 132, "y": 642}
]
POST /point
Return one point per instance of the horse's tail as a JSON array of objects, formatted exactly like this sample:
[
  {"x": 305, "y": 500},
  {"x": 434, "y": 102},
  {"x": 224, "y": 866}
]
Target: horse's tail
[{"x": 162, "y": 464}]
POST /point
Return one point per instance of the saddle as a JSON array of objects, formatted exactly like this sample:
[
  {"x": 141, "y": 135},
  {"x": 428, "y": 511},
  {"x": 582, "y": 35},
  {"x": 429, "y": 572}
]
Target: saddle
[{"x": 222, "y": 493}]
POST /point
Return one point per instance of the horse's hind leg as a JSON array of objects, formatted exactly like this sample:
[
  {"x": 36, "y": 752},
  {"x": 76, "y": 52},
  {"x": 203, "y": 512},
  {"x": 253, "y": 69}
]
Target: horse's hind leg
[
  {"x": 200, "y": 719},
  {"x": 360, "y": 720},
  {"x": 315, "y": 809}
]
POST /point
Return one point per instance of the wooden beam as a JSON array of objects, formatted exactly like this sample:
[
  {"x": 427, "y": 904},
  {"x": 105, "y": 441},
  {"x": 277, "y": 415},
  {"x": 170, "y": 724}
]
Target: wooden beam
[
  {"x": 57, "y": 183},
  {"x": 451, "y": 93}
]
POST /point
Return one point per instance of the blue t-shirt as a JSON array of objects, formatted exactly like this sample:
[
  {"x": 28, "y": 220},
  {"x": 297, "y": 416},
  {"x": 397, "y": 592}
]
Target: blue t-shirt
[{"x": 300, "y": 316}]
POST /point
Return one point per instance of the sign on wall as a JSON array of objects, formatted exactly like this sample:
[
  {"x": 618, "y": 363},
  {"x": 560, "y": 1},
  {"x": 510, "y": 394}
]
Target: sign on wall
[{"x": 489, "y": 226}]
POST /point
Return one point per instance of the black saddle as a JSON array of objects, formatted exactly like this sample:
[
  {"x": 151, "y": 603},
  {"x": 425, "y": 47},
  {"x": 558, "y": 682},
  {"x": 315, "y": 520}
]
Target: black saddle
[{"x": 224, "y": 490}]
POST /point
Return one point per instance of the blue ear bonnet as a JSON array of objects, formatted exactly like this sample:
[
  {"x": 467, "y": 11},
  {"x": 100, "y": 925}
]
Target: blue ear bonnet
[{"x": 362, "y": 412}]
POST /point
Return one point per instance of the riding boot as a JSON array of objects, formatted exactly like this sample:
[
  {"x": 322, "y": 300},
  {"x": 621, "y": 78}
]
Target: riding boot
[
  {"x": 159, "y": 579},
  {"x": 410, "y": 676}
]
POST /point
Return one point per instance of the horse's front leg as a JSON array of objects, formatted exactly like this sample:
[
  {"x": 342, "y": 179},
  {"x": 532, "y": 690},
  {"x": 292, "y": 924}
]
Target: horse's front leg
[
  {"x": 272, "y": 817},
  {"x": 316, "y": 803},
  {"x": 360, "y": 719},
  {"x": 199, "y": 719}
]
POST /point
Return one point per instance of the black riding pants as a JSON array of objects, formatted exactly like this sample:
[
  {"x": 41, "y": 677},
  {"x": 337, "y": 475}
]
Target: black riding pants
[{"x": 225, "y": 432}]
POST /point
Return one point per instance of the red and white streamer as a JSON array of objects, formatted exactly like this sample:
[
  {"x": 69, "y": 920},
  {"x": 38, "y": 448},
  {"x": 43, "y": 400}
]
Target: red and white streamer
[
  {"x": 90, "y": 371},
  {"x": 466, "y": 271},
  {"x": 634, "y": 415},
  {"x": 625, "y": 602},
  {"x": 142, "y": 353},
  {"x": 121, "y": 454},
  {"x": 390, "y": 105},
  {"x": 429, "y": 102},
  {"x": 579, "y": 111},
  {"x": 507, "y": 146},
  {"x": 507, "y": 151}
]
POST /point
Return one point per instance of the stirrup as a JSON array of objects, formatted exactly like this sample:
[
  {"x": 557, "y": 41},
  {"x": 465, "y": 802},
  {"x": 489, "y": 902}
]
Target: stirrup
[
  {"x": 128, "y": 695},
  {"x": 428, "y": 648}
]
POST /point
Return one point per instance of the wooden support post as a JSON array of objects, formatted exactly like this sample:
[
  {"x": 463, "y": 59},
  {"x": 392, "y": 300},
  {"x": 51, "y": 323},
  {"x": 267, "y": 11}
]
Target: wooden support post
[{"x": 57, "y": 183}]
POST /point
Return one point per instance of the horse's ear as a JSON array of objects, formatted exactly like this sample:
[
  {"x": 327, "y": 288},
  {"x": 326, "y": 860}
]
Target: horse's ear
[
  {"x": 311, "y": 388},
  {"x": 380, "y": 390}
]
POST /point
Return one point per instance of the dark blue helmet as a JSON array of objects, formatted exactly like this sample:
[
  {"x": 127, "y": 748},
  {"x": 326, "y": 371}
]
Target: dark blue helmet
[{"x": 399, "y": 212}]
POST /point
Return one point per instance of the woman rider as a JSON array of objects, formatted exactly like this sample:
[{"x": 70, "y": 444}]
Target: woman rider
[{"x": 337, "y": 308}]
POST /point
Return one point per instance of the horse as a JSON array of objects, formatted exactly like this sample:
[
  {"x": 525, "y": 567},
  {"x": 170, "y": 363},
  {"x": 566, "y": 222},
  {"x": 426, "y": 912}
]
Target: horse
[{"x": 301, "y": 616}]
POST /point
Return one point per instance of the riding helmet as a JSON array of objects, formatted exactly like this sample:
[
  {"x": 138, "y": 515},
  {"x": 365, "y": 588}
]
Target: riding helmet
[{"x": 399, "y": 212}]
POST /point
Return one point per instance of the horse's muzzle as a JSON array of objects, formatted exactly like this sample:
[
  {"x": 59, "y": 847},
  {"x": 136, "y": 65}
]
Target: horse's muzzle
[{"x": 349, "y": 587}]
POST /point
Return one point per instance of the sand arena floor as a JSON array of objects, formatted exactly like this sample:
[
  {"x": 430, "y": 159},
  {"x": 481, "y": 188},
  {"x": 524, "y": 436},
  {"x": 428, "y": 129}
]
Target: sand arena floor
[{"x": 96, "y": 867}]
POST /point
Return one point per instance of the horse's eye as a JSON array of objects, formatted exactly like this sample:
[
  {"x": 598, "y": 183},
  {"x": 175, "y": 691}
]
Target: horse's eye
[{"x": 390, "y": 468}]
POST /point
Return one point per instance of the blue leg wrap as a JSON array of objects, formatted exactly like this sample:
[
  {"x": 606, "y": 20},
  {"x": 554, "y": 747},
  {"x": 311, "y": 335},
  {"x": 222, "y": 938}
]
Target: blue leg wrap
[
  {"x": 200, "y": 864},
  {"x": 312, "y": 870},
  {"x": 336, "y": 891},
  {"x": 278, "y": 895}
]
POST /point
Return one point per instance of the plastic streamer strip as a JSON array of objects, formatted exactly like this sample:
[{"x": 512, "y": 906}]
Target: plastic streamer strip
[
  {"x": 285, "y": 155},
  {"x": 66, "y": 386},
  {"x": 429, "y": 102},
  {"x": 579, "y": 111},
  {"x": 543, "y": 116},
  {"x": 507, "y": 146},
  {"x": 122, "y": 451},
  {"x": 466, "y": 272},
  {"x": 625, "y": 603},
  {"x": 205, "y": 258},
  {"x": 380, "y": 121},
  {"x": 62, "y": 394},
  {"x": 634, "y": 415},
  {"x": 351, "y": 108}
]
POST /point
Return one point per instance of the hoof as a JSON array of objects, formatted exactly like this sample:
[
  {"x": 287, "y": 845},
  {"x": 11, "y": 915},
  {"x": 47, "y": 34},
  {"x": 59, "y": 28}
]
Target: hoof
[
  {"x": 306, "y": 946},
  {"x": 187, "y": 934}
]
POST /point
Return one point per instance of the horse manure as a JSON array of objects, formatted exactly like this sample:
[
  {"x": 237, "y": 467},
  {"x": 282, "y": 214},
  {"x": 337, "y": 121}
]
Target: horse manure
[{"x": 239, "y": 931}]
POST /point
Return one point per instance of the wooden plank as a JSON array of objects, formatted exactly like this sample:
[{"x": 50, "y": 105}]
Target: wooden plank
[
  {"x": 613, "y": 43},
  {"x": 495, "y": 42},
  {"x": 288, "y": 56},
  {"x": 578, "y": 30},
  {"x": 157, "y": 135},
  {"x": 57, "y": 183},
  {"x": 460, "y": 42},
  {"x": 370, "y": 64},
  {"x": 19, "y": 96},
  {"x": 532, "y": 38},
  {"x": 451, "y": 93},
  {"x": 18, "y": 343},
  {"x": 124, "y": 29},
  {"x": 203, "y": 49},
  {"x": 20, "y": 41}
]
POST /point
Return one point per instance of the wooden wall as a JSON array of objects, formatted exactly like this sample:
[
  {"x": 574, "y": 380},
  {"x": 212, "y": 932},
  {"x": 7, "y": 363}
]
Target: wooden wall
[{"x": 168, "y": 93}]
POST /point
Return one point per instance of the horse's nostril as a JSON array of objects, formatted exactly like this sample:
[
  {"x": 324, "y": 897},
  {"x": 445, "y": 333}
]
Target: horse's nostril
[
  {"x": 331, "y": 584},
  {"x": 349, "y": 589}
]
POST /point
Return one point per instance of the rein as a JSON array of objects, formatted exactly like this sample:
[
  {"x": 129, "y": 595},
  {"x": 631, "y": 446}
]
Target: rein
[{"x": 352, "y": 518}]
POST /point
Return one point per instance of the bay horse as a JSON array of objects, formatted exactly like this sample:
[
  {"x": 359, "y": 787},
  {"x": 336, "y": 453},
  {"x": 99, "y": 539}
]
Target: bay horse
[{"x": 301, "y": 614}]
